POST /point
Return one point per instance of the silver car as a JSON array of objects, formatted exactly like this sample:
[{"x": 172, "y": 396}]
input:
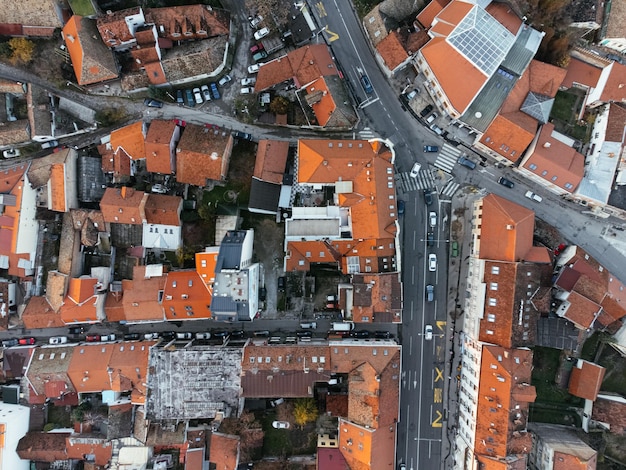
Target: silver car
[{"x": 432, "y": 262}]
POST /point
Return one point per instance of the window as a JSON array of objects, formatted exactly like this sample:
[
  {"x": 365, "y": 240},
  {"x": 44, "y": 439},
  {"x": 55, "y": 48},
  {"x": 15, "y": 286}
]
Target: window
[
  {"x": 495, "y": 270},
  {"x": 490, "y": 332},
  {"x": 493, "y": 286},
  {"x": 492, "y": 302},
  {"x": 491, "y": 317},
  {"x": 267, "y": 360},
  {"x": 252, "y": 360},
  {"x": 532, "y": 166},
  {"x": 569, "y": 185},
  {"x": 544, "y": 172},
  {"x": 554, "y": 178}
]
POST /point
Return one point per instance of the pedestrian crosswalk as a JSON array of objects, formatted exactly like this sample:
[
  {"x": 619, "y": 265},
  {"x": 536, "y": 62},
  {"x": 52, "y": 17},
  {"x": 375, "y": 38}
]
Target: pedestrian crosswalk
[
  {"x": 447, "y": 157},
  {"x": 425, "y": 179},
  {"x": 449, "y": 189},
  {"x": 366, "y": 134}
]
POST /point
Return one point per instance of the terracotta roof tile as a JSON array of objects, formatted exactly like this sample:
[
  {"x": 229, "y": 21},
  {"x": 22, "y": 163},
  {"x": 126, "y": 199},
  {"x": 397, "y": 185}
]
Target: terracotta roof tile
[
  {"x": 224, "y": 451},
  {"x": 93, "y": 62},
  {"x": 39, "y": 314},
  {"x": 206, "y": 262},
  {"x": 163, "y": 209},
  {"x": 586, "y": 379},
  {"x": 615, "y": 87},
  {"x": 271, "y": 160},
  {"x": 141, "y": 296},
  {"x": 113, "y": 28},
  {"x": 185, "y": 296},
  {"x": 430, "y": 11},
  {"x": 129, "y": 367},
  {"x": 554, "y": 161},
  {"x": 189, "y": 22},
  {"x": 160, "y": 146},
  {"x": 43, "y": 446},
  {"x": 375, "y": 295},
  {"x": 580, "y": 72},
  {"x": 50, "y": 364},
  {"x": 123, "y": 206},
  {"x": 130, "y": 139},
  {"x": 202, "y": 155},
  {"x": 99, "y": 448},
  {"x": 392, "y": 50},
  {"x": 612, "y": 412}
]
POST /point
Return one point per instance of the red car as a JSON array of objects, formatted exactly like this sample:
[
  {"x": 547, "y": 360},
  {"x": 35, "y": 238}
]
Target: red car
[
  {"x": 256, "y": 48},
  {"x": 26, "y": 341},
  {"x": 92, "y": 338},
  {"x": 180, "y": 122}
]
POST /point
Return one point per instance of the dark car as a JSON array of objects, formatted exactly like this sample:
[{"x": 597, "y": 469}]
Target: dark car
[
  {"x": 304, "y": 334},
  {"x": 281, "y": 283},
  {"x": 7, "y": 343},
  {"x": 150, "y": 103},
  {"x": 431, "y": 148},
  {"x": 167, "y": 335},
  {"x": 262, "y": 293},
  {"x": 430, "y": 293},
  {"x": 179, "y": 97},
  {"x": 214, "y": 91},
  {"x": 400, "y": 206},
  {"x": 242, "y": 135},
  {"x": 237, "y": 334},
  {"x": 76, "y": 330},
  {"x": 428, "y": 197},
  {"x": 382, "y": 334},
  {"x": 259, "y": 56},
  {"x": 132, "y": 336},
  {"x": 426, "y": 111},
  {"x": 466, "y": 162},
  {"x": 430, "y": 239},
  {"x": 26, "y": 341},
  {"x": 360, "y": 334},
  {"x": 220, "y": 334},
  {"x": 92, "y": 338},
  {"x": 189, "y": 99},
  {"x": 505, "y": 182},
  {"x": 367, "y": 85}
]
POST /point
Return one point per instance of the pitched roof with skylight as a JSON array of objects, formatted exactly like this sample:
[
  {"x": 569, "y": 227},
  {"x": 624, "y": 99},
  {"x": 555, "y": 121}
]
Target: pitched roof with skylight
[{"x": 482, "y": 40}]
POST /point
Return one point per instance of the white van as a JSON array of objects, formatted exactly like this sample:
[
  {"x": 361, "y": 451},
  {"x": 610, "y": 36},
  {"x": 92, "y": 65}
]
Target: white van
[
  {"x": 342, "y": 326},
  {"x": 533, "y": 197},
  {"x": 49, "y": 144}
]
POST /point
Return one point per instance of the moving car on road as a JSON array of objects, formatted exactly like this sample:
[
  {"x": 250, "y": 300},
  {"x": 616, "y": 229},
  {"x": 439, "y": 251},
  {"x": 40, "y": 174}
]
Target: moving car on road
[
  {"x": 432, "y": 262},
  {"x": 466, "y": 162},
  {"x": 505, "y": 182},
  {"x": 415, "y": 170},
  {"x": 428, "y": 332},
  {"x": 430, "y": 293},
  {"x": 432, "y": 219},
  {"x": 431, "y": 148},
  {"x": 533, "y": 197}
]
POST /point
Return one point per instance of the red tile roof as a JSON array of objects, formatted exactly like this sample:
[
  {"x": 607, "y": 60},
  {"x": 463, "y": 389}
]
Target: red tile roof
[
  {"x": 99, "y": 450},
  {"x": 271, "y": 160},
  {"x": 331, "y": 459},
  {"x": 43, "y": 446},
  {"x": 164, "y": 210},
  {"x": 203, "y": 154},
  {"x": 39, "y": 314},
  {"x": 130, "y": 140},
  {"x": 580, "y": 72},
  {"x": 615, "y": 87},
  {"x": 123, "y": 206},
  {"x": 430, "y": 11},
  {"x": 141, "y": 296},
  {"x": 376, "y": 295},
  {"x": 224, "y": 451},
  {"x": 586, "y": 379},
  {"x": 159, "y": 146},
  {"x": 186, "y": 296}
]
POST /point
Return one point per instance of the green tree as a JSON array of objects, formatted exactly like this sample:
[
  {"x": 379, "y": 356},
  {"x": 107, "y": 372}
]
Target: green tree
[
  {"x": 279, "y": 105},
  {"x": 304, "y": 411},
  {"x": 109, "y": 116},
  {"x": 21, "y": 50}
]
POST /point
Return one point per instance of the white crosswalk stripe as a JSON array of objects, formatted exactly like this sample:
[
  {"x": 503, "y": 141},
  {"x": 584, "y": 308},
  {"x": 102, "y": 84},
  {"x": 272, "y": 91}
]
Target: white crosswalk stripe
[
  {"x": 425, "y": 179},
  {"x": 450, "y": 188},
  {"x": 447, "y": 157},
  {"x": 366, "y": 134}
]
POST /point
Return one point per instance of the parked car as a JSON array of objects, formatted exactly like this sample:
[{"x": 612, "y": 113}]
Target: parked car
[
  {"x": 426, "y": 111},
  {"x": 158, "y": 188},
  {"x": 262, "y": 333},
  {"x": 436, "y": 129},
  {"x": 206, "y": 335},
  {"x": 428, "y": 332},
  {"x": 430, "y": 119},
  {"x": 183, "y": 335},
  {"x": 221, "y": 334},
  {"x": 150, "y": 336},
  {"x": 205, "y": 92},
  {"x": 278, "y": 401},
  {"x": 360, "y": 334},
  {"x": 109, "y": 337},
  {"x": 58, "y": 340},
  {"x": 505, "y": 182},
  {"x": 179, "y": 97},
  {"x": 430, "y": 293},
  {"x": 415, "y": 170},
  {"x": 7, "y": 343},
  {"x": 197, "y": 96},
  {"x": 167, "y": 335},
  {"x": 76, "y": 330},
  {"x": 11, "y": 153},
  {"x": 246, "y": 90},
  {"x": 132, "y": 336},
  {"x": 311, "y": 325},
  {"x": 261, "y": 33},
  {"x": 400, "y": 207},
  {"x": 242, "y": 135},
  {"x": 431, "y": 148},
  {"x": 454, "y": 249},
  {"x": 258, "y": 56},
  {"x": 248, "y": 81},
  {"x": 466, "y": 162},
  {"x": 189, "y": 101},
  {"x": 254, "y": 68},
  {"x": 304, "y": 334},
  {"x": 237, "y": 334},
  {"x": 382, "y": 334},
  {"x": 432, "y": 219},
  {"x": 50, "y": 144},
  {"x": 281, "y": 283},
  {"x": 428, "y": 197},
  {"x": 150, "y": 103},
  {"x": 26, "y": 341},
  {"x": 215, "y": 91},
  {"x": 533, "y": 197},
  {"x": 92, "y": 338},
  {"x": 256, "y": 48},
  {"x": 432, "y": 262},
  {"x": 224, "y": 80},
  {"x": 280, "y": 424},
  {"x": 180, "y": 122},
  {"x": 255, "y": 21},
  {"x": 412, "y": 94},
  {"x": 367, "y": 85}
]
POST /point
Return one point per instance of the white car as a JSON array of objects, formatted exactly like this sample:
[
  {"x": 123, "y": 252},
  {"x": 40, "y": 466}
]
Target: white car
[
  {"x": 428, "y": 332},
  {"x": 58, "y": 340},
  {"x": 224, "y": 80},
  {"x": 254, "y": 68},
  {"x": 158, "y": 188},
  {"x": 432, "y": 219},
  {"x": 11, "y": 153},
  {"x": 416, "y": 169},
  {"x": 533, "y": 197},
  {"x": 280, "y": 424},
  {"x": 109, "y": 337},
  {"x": 432, "y": 262},
  {"x": 197, "y": 96},
  {"x": 246, "y": 91},
  {"x": 206, "y": 335},
  {"x": 261, "y": 33},
  {"x": 254, "y": 22},
  {"x": 149, "y": 336},
  {"x": 205, "y": 92},
  {"x": 248, "y": 81}
]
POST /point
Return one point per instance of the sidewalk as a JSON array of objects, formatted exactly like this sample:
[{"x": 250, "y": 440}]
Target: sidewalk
[{"x": 461, "y": 231}]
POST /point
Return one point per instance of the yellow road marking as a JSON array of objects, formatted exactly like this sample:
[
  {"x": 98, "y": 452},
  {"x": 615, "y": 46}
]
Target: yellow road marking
[
  {"x": 438, "y": 395},
  {"x": 331, "y": 36},
  {"x": 321, "y": 11},
  {"x": 439, "y": 375},
  {"x": 437, "y": 422}
]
